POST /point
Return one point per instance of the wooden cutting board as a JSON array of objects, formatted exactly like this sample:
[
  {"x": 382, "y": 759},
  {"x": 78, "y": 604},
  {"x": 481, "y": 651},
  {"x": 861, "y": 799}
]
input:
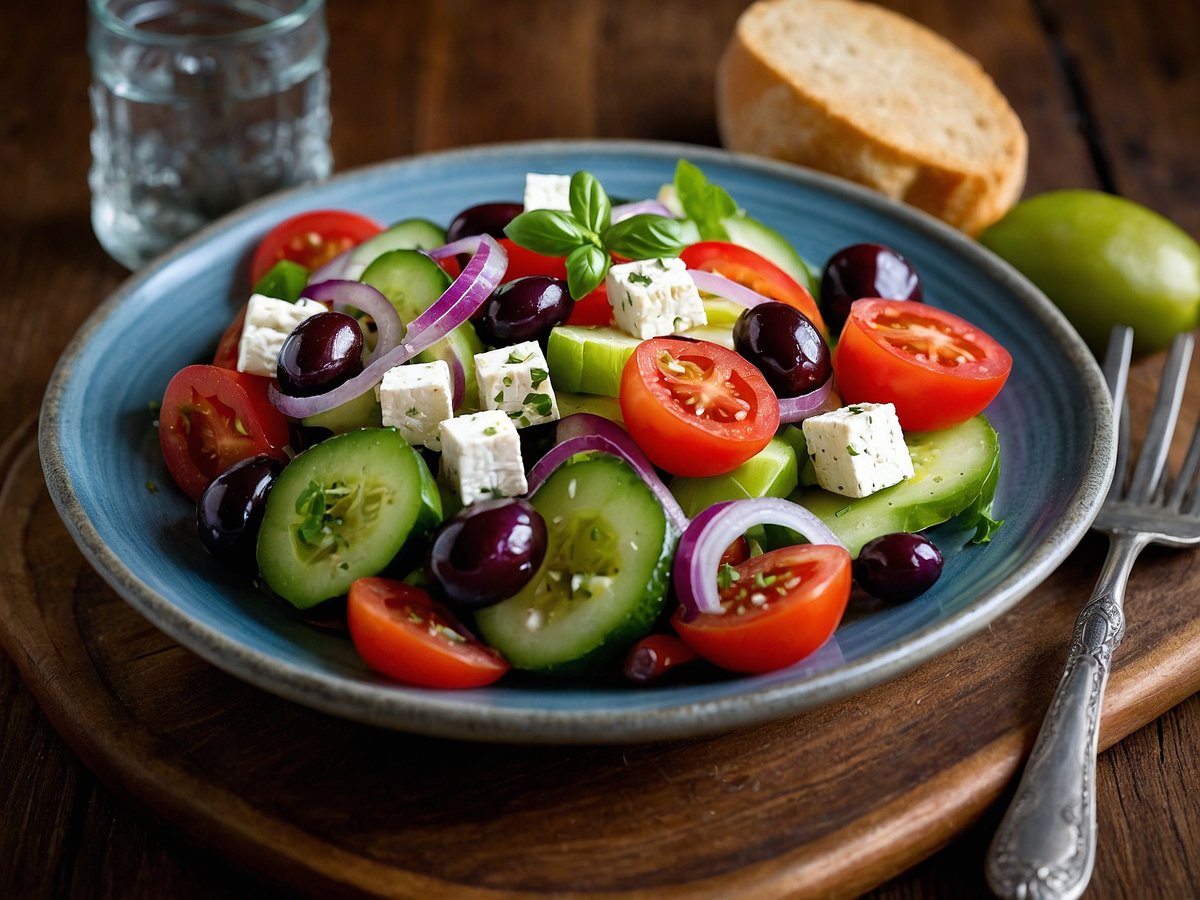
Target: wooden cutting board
[{"x": 830, "y": 803}]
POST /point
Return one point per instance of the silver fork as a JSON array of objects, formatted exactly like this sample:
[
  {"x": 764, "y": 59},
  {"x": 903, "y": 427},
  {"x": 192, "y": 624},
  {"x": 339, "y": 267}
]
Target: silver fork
[{"x": 1046, "y": 844}]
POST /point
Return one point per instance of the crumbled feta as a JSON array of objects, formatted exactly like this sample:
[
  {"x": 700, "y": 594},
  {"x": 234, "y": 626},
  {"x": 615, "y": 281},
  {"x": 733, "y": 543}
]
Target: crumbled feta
[
  {"x": 416, "y": 398},
  {"x": 547, "y": 191},
  {"x": 268, "y": 323},
  {"x": 858, "y": 450},
  {"x": 481, "y": 457},
  {"x": 516, "y": 381},
  {"x": 651, "y": 297}
]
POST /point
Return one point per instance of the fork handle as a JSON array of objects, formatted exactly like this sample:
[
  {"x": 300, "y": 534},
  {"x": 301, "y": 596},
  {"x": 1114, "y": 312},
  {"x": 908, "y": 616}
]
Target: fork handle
[{"x": 1045, "y": 846}]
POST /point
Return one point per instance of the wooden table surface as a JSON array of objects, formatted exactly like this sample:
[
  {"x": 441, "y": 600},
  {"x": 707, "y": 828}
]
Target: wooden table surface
[{"x": 1109, "y": 91}]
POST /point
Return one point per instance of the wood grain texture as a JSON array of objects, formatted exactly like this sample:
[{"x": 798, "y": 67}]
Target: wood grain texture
[{"x": 1108, "y": 92}]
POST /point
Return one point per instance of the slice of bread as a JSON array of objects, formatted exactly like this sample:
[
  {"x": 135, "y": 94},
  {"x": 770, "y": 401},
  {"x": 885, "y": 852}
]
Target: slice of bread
[{"x": 859, "y": 91}]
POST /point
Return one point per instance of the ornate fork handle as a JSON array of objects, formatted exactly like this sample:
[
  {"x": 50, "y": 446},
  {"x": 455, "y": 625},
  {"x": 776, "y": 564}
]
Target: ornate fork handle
[{"x": 1046, "y": 844}]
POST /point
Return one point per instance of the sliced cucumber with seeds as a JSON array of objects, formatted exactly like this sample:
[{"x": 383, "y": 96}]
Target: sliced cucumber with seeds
[
  {"x": 409, "y": 234},
  {"x": 344, "y": 509},
  {"x": 604, "y": 578}
]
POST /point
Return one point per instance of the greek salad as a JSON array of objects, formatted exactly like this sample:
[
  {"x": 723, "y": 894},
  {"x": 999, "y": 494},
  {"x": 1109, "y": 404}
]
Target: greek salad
[{"x": 567, "y": 435}]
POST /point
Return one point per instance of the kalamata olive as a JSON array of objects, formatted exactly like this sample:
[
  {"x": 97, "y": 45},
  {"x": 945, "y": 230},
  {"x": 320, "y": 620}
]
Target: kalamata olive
[
  {"x": 487, "y": 552},
  {"x": 524, "y": 310},
  {"x": 324, "y": 351},
  {"x": 486, "y": 218},
  {"x": 785, "y": 346},
  {"x": 898, "y": 567},
  {"x": 864, "y": 270},
  {"x": 230, "y": 510}
]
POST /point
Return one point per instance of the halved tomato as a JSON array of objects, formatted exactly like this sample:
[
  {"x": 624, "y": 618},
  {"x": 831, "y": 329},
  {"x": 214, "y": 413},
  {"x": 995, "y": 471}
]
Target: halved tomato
[
  {"x": 226, "y": 355},
  {"x": 747, "y": 268},
  {"x": 778, "y": 608},
  {"x": 399, "y": 630},
  {"x": 938, "y": 369},
  {"x": 695, "y": 407},
  {"x": 213, "y": 417},
  {"x": 590, "y": 310},
  {"x": 311, "y": 239}
]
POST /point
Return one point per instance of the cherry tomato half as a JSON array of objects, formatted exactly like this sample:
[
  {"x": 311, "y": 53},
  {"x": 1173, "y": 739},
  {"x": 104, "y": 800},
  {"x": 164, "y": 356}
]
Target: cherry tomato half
[
  {"x": 591, "y": 310},
  {"x": 937, "y": 368},
  {"x": 226, "y": 355},
  {"x": 747, "y": 268},
  {"x": 695, "y": 407},
  {"x": 399, "y": 630},
  {"x": 782, "y": 606},
  {"x": 211, "y": 418},
  {"x": 311, "y": 239}
]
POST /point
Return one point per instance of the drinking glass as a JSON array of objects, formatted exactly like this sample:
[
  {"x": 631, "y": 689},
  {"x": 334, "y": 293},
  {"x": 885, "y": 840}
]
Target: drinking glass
[{"x": 198, "y": 107}]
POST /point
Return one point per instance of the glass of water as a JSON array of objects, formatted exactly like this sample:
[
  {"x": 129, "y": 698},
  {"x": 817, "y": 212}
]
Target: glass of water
[{"x": 198, "y": 107}]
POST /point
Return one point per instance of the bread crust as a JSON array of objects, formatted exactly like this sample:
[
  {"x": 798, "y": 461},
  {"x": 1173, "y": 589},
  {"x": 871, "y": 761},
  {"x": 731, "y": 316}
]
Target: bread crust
[{"x": 765, "y": 109}]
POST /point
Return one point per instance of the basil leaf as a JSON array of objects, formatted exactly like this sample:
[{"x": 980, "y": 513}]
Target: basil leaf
[
  {"x": 589, "y": 202},
  {"x": 550, "y": 232},
  {"x": 645, "y": 236},
  {"x": 586, "y": 267},
  {"x": 703, "y": 202}
]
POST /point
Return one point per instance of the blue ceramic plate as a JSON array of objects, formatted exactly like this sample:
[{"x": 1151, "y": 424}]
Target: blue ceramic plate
[{"x": 100, "y": 453}]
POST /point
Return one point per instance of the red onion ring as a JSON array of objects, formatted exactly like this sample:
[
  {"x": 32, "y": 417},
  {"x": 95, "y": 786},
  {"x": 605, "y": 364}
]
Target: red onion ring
[
  {"x": 712, "y": 283},
  {"x": 458, "y": 380},
  {"x": 584, "y": 432},
  {"x": 797, "y": 409},
  {"x": 466, "y": 294},
  {"x": 345, "y": 295},
  {"x": 625, "y": 210},
  {"x": 712, "y": 531}
]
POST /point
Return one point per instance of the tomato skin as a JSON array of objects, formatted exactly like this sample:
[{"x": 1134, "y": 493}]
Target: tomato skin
[
  {"x": 311, "y": 239},
  {"x": 399, "y": 630},
  {"x": 212, "y": 418},
  {"x": 590, "y": 310},
  {"x": 670, "y": 431},
  {"x": 791, "y": 624},
  {"x": 226, "y": 355},
  {"x": 876, "y": 362},
  {"x": 747, "y": 268}
]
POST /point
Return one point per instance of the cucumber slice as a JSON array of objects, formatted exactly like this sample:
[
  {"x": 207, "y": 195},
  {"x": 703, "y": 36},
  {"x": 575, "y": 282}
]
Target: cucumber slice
[
  {"x": 570, "y": 403},
  {"x": 588, "y": 359},
  {"x": 604, "y": 578},
  {"x": 769, "y": 473},
  {"x": 361, "y": 412},
  {"x": 769, "y": 243},
  {"x": 342, "y": 510},
  {"x": 409, "y": 234},
  {"x": 412, "y": 282},
  {"x": 956, "y": 472}
]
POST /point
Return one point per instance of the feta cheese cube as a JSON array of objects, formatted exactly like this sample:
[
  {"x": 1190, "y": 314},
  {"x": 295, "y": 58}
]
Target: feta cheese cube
[
  {"x": 651, "y": 297},
  {"x": 547, "y": 191},
  {"x": 481, "y": 457},
  {"x": 268, "y": 323},
  {"x": 416, "y": 398},
  {"x": 516, "y": 380},
  {"x": 858, "y": 450}
]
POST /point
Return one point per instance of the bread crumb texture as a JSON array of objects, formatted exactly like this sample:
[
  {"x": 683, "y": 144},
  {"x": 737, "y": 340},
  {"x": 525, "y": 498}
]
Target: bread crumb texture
[{"x": 862, "y": 92}]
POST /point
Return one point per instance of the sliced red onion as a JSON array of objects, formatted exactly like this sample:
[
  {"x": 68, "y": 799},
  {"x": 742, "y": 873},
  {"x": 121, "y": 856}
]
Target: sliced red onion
[
  {"x": 458, "y": 379},
  {"x": 625, "y": 210},
  {"x": 343, "y": 295},
  {"x": 335, "y": 268},
  {"x": 713, "y": 530},
  {"x": 712, "y": 283},
  {"x": 584, "y": 432},
  {"x": 466, "y": 294},
  {"x": 797, "y": 409}
]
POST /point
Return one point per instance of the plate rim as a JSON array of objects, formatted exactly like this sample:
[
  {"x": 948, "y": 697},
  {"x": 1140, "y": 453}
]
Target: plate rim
[{"x": 439, "y": 713}]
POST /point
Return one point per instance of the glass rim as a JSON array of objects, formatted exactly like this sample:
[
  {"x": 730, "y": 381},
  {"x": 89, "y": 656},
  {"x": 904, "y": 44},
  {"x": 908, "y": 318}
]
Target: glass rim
[{"x": 102, "y": 15}]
